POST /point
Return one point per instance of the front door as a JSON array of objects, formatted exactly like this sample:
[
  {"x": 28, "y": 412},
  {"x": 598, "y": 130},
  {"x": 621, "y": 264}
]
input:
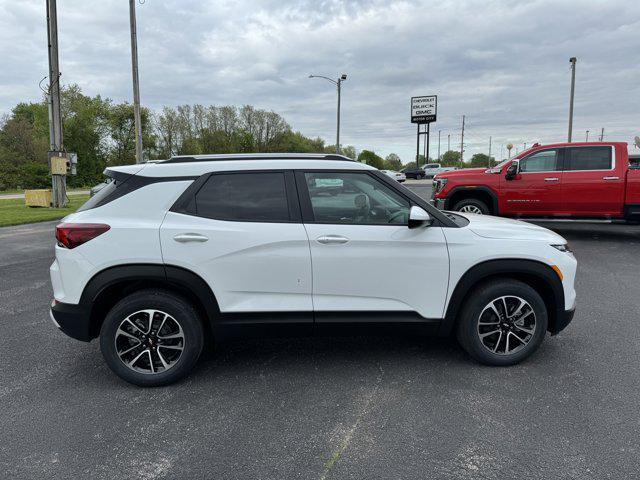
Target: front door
[
  {"x": 243, "y": 235},
  {"x": 365, "y": 258},
  {"x": 537, "y": 187}
]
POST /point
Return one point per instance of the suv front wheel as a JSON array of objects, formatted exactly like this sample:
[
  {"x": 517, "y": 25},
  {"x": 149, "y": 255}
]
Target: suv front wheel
[
  {"x": 151, "y": 338},
  {"x": 502, "y": 322}
]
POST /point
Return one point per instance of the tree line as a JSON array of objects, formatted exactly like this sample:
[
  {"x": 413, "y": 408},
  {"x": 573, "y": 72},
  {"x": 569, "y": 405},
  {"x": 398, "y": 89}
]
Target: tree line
[{"x": 101, "y": 132}]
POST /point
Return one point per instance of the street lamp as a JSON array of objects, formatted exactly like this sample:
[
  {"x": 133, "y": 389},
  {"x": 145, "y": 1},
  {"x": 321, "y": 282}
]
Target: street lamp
[{"x": 337, "y": 83}]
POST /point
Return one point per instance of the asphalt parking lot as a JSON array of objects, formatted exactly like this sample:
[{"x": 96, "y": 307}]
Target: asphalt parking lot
[{"x": 331, "y": 408}]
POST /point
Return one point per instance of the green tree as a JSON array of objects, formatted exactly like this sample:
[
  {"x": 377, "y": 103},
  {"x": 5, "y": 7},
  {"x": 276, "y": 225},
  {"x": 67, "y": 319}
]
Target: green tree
[
  {"x": 409, "y": 165},
  {"x": 392, "y": 162},
  {"x": 370, "y": 158},
  {"x": 450, "y": 158},
  {"x": 482, "y": 160}
]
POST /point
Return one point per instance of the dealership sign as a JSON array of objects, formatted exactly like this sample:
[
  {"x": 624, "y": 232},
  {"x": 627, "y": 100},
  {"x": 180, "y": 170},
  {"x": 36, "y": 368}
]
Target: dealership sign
[{"x": 424, "y": 109}]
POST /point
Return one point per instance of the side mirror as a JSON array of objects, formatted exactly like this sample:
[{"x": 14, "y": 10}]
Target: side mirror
[
  {"x": 418, "y": 217},
  {"x": 512, "y": 171}
]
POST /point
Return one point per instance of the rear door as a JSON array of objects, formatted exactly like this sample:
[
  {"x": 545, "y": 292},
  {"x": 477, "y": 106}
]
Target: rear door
[
  {"x": 537, "y": 188},
  {"x": 242, "y": 233},
  {"x": 591, "y": 182},
  {"x": 365, "y": 258}
]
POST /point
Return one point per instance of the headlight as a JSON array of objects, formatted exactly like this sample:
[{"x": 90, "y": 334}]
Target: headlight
[
  {"x": 563, "y": 247},
  {"x": 438, "y": 184}
]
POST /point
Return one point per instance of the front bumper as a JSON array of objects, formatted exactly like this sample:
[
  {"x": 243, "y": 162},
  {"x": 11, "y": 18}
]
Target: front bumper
[
  {"x": 438, "y": 203},
  {"x": 73, "y": 320},
  {"x": 562, "y": 321}
]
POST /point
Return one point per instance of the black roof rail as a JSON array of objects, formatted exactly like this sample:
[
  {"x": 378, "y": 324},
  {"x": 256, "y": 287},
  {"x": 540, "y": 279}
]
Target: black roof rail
[{"x": 267, "y": 156}]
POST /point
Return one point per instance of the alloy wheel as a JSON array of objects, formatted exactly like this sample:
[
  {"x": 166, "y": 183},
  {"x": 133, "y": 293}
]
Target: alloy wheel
[
  {"x": 506, "y": 325},
  {"x": 471, "y": 209},
  {"x": 149, "y": 341}
]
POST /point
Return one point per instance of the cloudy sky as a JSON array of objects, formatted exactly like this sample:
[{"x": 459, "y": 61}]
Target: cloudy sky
[{"x": 502, "y": 64}]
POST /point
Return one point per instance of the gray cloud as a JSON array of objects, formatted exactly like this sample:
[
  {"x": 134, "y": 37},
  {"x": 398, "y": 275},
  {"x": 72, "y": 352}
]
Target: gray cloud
[{"x": 503, "y": 64}]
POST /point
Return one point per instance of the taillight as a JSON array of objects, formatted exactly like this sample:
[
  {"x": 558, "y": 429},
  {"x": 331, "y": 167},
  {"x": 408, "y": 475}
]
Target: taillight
[{"x": 71, "y": 235}]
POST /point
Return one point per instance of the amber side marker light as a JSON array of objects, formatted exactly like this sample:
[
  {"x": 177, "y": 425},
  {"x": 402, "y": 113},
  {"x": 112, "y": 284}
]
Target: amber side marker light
[{"x": 557, "y": 270}]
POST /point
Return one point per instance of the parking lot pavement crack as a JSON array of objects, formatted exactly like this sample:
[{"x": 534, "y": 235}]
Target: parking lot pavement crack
[{"x": 348, "y": 437}]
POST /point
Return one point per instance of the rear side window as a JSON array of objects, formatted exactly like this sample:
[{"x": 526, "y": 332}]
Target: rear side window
[
  {"x": 102, "y": 196},
  {"x": 588, "y": 158},
  {"x": 248, "y": 197}
]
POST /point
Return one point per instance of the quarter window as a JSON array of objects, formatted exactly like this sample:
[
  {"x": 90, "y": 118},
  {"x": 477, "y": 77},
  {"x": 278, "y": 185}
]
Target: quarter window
[
  {"x": 250, "y": 197},
  {"x": 588, "y": 158},
  {"x": 354, "y": 198},
  {"x": 545, "y": 161}
]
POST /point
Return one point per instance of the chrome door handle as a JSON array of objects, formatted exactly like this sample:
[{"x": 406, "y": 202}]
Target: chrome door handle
[
  {"x": 611, "y": 178},
  {"x": 551, "y": 179},
  {"x": 332, "y": 239},
  {"x": 190, "y": 237}
]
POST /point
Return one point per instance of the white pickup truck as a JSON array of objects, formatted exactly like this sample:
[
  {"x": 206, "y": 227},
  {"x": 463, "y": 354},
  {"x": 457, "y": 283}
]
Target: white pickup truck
[{"x": 432, "y": 169}]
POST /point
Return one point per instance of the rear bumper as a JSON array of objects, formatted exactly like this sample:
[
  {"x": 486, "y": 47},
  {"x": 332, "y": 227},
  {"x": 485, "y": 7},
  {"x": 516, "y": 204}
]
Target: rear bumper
[
  {"x": 73, "y": 320},
  {"x": 563, "y": 320}
]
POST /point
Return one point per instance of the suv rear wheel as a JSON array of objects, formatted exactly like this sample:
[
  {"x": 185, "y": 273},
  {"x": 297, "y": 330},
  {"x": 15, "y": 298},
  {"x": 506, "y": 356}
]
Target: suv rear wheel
[
  {"x": 502, "y": 322},
  {"x": 472, "y": 205},
  {"x": 151, "y": 338}
]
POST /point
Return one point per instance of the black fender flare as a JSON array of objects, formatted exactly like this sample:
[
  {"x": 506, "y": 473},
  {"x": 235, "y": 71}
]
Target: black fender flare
[
  {"x": 545, "y": 279},
  {"x": 174, "y": 278},
  {"x": 487, "y": 190}
]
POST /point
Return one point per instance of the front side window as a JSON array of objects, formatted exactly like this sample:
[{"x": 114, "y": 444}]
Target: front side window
[
  {"x": 545, "y": 161},
  {"x": 355, "y": 198},
  {"x": 249, "y": 197},
  {"x": 588, "y": 158}
]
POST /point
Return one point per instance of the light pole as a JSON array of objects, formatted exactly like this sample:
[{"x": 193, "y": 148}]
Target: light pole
[
  {"x": 338, "y": 84},
  {"x": 572, "y": 60}
]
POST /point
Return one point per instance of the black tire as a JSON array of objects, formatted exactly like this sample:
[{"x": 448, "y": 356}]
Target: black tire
[
  {"x": 472, "y": 203},
  {"x": 187, "y": 323},
  {"x": 469, "y": 330}
]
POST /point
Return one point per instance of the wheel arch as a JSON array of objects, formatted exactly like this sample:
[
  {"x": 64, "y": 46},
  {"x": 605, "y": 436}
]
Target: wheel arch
[
  {"x": 538, "y": 275},
  {"x": 108, "y": 286},
  {"x": 480, "y": 193}
]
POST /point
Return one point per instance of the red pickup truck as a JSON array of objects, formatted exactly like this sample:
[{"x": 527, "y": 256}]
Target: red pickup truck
[{"x": 562, "y": 180}]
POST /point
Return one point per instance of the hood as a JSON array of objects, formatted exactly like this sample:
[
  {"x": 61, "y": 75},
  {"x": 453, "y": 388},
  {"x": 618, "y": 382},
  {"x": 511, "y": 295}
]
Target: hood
[
  {"x": 462, "y": 171},
  {"x": 506, "y": 228}
]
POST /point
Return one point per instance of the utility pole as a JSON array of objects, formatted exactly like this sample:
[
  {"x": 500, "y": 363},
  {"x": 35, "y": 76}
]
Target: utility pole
[
  {"x": 572, "y": 60},
  {"x": 489, "y": 152},
  {"x": 462, "y": 145},
  {"x": 602, "y": 134},
  {"x": 439, "y": 144},
  {"x": 448, "y": 142},
  {"x": 587, "y": 136},
  {"x": 136, "y": 83},
  {"x": 56, "y": 144}
]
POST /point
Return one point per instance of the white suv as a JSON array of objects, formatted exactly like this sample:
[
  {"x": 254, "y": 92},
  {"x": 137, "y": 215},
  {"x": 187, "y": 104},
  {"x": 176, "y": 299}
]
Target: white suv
[{"x": 171, "y": 254}]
